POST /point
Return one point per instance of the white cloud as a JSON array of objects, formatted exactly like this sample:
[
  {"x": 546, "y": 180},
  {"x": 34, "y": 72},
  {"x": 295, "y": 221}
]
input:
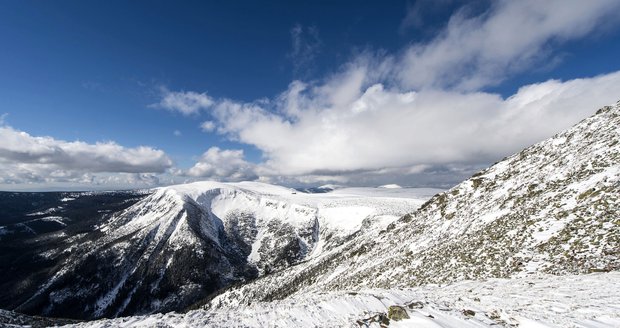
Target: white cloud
[
  {"x": 177, "y": 133},
  {"x": 184, "y": 102},
  {"x": 474, "y": 52},
  {"x": 18, "y": 146},
  {"x": 29, "y": 159},
  {"x": 419, "y": 117},
  {"x": 331, "y": 132},
  {"x": 223, "y": 165},
  {"x": 207, "y": 126}
]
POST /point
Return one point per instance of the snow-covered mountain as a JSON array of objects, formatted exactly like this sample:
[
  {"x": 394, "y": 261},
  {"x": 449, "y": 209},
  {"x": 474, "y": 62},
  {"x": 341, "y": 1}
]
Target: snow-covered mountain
[
  {"x": 551, "y": 208},
  {"x": 182, "y": 243}
]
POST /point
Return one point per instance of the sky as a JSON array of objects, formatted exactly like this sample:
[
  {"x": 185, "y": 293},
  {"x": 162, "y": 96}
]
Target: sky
[{"x": 138, "y": 94}]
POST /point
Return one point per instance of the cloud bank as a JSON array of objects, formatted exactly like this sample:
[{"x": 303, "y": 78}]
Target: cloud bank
[
  {"x": 422, "y": 116},
  {"x": 384, "y": 129},
  {"x": 29, "y": 159},
  {"x": 425, "y": 111},
  {"x": 227, "y": 165}
]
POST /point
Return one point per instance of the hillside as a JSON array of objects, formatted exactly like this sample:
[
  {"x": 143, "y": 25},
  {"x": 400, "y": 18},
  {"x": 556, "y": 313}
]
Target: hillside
[
  {"x": 541, "y": 301},
  {"x": 551, "y": 208}
]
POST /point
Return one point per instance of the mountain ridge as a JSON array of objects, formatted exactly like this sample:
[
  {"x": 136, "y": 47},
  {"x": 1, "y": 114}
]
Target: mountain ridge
[{"x": 182, "y": 243}]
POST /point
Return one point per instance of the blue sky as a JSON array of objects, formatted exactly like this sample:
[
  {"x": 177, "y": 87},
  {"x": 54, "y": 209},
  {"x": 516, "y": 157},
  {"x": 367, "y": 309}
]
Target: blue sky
[{"x": 76, "y": 74}]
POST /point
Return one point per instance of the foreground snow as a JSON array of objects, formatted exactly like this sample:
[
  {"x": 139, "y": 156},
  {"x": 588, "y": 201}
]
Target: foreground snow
[{"x": 534, "y": 301}]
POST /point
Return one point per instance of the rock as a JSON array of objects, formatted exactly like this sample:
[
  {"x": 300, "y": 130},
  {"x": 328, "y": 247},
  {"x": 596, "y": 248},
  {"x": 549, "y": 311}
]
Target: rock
[
  {"x": 416, "y": 305},
  {"x": 381, "y": 318},
  {"x": 469, "y": 313},
  {"x": 397, "y": 313},
  {"x": 384, "y": 320}
]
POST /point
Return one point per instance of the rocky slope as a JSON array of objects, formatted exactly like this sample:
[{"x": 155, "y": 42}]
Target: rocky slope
[
  {"x": 551, "y": 208},
  {"x": 542, "y": 301}
]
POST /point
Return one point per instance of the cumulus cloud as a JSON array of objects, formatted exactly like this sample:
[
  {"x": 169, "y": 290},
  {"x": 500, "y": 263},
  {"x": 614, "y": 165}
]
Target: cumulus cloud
[
  {"x": 207, "y": 126},
  {"x": 421, "y": 116},
  {"x": 223, "y": 165},
  {"x": 478, "y": 51},
  {"x": 18, "y": 146},
  {"x": 28, "y": 159},
  {"x": 330, "y": 134},
  {"x": 184, "y": 102}
]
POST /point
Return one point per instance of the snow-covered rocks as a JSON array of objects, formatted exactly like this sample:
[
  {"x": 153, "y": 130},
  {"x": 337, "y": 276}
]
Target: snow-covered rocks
[{"x": 532, "y": 301}]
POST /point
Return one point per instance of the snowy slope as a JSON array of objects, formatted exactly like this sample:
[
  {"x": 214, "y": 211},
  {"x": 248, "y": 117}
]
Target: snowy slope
[
  {"x": 182, "y": 243},
  {"x": 533, "y": 301},
  {"x": 552, "y": 208}
]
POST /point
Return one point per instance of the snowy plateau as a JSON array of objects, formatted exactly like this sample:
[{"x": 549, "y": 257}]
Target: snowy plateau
[{"x": 532, "y": 241}]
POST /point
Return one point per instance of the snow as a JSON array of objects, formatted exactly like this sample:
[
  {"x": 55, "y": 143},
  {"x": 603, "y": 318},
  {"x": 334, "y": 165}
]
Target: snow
[
  {"x": 412, "y": 193},
  {"x": 26, "y": 227},
  {"x": 46, "y": 212},
  {"x": 195, "y": 189},
  {"x": 346, "y": 218},
  {"x": 340, "y": 211},
  {"x": 390, "y": 186},
  {"x": 547, "y": 229},
  {"x": 254, "y": 256},
  {"x": 330, "y": 186},
  {"x": 534, "y": 301},
  {"x": 58, "y": 219},
  {"x": 104, "y": 301}
]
